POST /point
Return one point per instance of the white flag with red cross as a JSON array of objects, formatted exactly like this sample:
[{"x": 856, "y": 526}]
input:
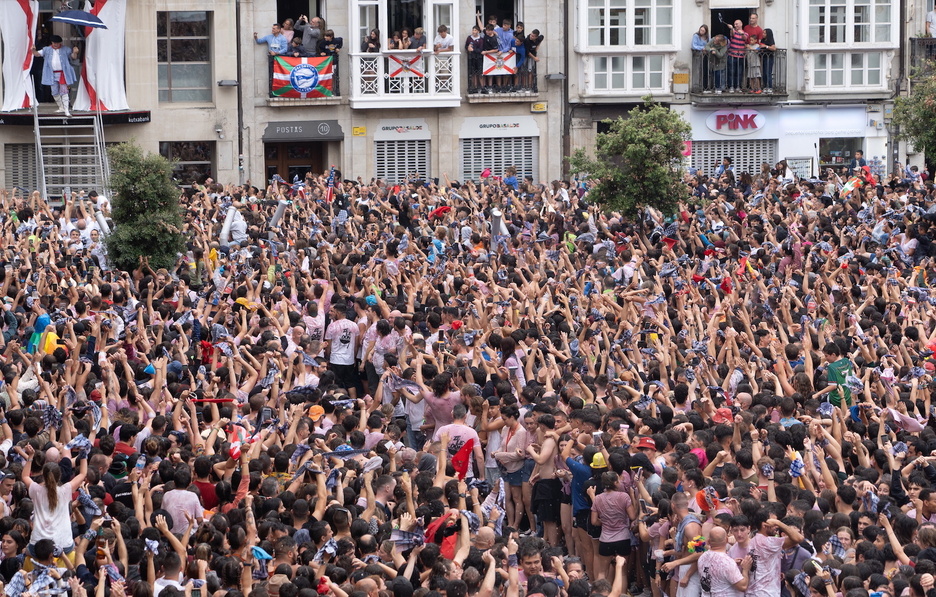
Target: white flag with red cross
[
  {"x": 500, "y": 64},
  {"x": 406, "y": 66}
]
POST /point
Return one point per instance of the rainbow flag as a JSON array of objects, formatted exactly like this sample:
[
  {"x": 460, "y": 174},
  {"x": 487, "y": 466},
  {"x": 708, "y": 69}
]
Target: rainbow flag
[{"x": 302, "y": 77}]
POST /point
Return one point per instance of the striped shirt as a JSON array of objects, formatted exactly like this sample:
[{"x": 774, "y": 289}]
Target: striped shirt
[{"x": 736, "y": 46}]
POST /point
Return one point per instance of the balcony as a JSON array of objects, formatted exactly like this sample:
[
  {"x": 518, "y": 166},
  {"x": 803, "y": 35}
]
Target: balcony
[
  {"x": 517, "y": 86},
  {"x": 312, "y": 81},
  {"x": 405, "y": 79},
  {"x": 922, "y": 57},
  {"x": 731, "y": 84}
]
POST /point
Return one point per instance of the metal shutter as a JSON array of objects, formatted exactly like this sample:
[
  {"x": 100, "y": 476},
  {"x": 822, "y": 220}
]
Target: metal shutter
[
  {"x": 747, "y": 155},
  {"x": 498, "y": 154},
  {"x": 396, "y": 161},
  {"x": 19, "y": 160}
]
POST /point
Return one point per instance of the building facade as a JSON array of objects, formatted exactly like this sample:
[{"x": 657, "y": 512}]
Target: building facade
[
  {"x": 201, "y": 91},
  {"x": 822, "y": 91}
]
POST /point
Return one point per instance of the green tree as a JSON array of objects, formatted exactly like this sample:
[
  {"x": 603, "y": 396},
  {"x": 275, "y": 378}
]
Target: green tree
[
  {"x": 145, "y": 209},
  {"x": 639, "y": 161},
  {"x": 915, "y": 114}
]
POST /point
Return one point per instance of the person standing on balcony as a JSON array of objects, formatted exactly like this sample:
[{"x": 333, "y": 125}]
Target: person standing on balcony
[
  {"x": 716, "y": 50},
  {"x": 505, "y": 43},
  {"x": 371, "y": 43},
  {"x": 297, "y": 50},
  {"x": 768, "y": 58},
  {"x": 311, "y": 31},
  {"x": 532, "y": 44},
  {"x": 931, "y": 23},
  {"x": 329, "y": 45},
  {"x": 736, "y": 49},
  {"x": 699, "y": 40},
  {"x": 752, "y": 29},
  {"x": 474, "y": 44},
  {"x": 418, "y": 41},
  {"x": 754, "y": 73},
  {"x": 443, "y": 42},
  {"x": 491, "y": 46},
  {"x": 275, "y": 41},
  {"x": 289, "y": 30},
  {"x": 57, "y": 71}
]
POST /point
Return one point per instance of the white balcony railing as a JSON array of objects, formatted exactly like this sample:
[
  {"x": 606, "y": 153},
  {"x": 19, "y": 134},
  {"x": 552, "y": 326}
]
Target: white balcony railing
[{"x": 405, "y": 78}]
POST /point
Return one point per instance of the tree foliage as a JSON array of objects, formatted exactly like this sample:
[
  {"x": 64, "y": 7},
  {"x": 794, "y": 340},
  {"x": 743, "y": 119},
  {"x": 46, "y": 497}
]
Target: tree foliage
[
  {"x": 915, "y": 114},
  {"x": 639, "y": 161},
  {"x": 145, "y": 209}
]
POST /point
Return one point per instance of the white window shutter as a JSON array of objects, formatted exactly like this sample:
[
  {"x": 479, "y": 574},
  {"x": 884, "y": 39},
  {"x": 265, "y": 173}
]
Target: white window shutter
[
  {"x": 396, "y": 161},
  {"x": 19, "y": 160},
  {"x": 498, "y": 154},
  {"x": 747, "y": 156}
]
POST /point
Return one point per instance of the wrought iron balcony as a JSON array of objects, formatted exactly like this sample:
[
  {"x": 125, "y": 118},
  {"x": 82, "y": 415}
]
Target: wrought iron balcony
[{"x": 760, "y": 76}]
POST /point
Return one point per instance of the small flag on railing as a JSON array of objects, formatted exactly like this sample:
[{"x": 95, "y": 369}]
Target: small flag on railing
[
  {"x": 330, "y": 193},
  {"x": 302, "y": 77}
]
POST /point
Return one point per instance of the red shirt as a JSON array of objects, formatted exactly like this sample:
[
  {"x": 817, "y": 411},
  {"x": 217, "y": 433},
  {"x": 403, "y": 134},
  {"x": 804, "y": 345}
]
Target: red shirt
[
  {"x": 123, "y": 448},
  {"x": 754, "y": 32},
  {"x": 209, "y": 498}
]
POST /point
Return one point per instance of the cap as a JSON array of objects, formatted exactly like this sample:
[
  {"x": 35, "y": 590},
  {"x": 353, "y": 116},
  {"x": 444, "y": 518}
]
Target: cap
[
  {"x": 722, "y": 415},
  {"x": 646, "y": 442},
  {"x": 598, "y": 461},
  {"x": 276, "y": 581},
  {"x": 316, "y": 412}
]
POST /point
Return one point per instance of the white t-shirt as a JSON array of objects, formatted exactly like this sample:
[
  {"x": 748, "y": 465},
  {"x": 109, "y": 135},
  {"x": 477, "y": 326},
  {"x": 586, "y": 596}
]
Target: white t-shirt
[
  {"x": 444, "y": 44},
  {"x": 931, "y": 23},
  {"x": 343, "y": 335},
  {"x": 765, "y": 573},
  {"x": 54, "y": 525},
  {"x": 719, "y": 572},
  {"x": 179, "y": 501}
]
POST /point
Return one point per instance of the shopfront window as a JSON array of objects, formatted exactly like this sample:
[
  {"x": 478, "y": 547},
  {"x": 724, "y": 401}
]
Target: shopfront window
[
  {"x": 629, "y": 23},
  {"x": 192, "y": 161},
  {"x": 837, "y": 153},
  {"x": 849, "y": 21},
  {"x": 183, "y": 54}
]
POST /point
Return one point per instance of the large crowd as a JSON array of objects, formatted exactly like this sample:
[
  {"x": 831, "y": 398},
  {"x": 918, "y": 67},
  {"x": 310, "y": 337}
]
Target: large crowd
[{"x": 434, "y": 388}]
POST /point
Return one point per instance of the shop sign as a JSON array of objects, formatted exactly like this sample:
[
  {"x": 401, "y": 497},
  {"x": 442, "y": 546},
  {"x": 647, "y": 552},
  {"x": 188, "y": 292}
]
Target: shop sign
[{"x": 735, "y": 122}]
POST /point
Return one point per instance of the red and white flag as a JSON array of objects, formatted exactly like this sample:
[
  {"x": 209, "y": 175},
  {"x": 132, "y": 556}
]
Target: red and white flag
[
  {"x": 406, "y": 66},
  {"x": 102, "y": 86},
  {"x": 500, "y": 64},
  {"x": 18, "y": 20}
]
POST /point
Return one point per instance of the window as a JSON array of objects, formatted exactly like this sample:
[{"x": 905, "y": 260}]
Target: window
[
  {"x": 857, "y": 69},
  {"x": 499, "y": 153},
  {"x": 626, "y": 73},
  {"x": 405, "y": 14},
  {"x": 402, "y": 159},
  {"x": 368, "y": 21},
  {"x": 191, "y": 160},
  {"x": 629, "y": 23},
  {"x": 849, "y": 21},
  {"x": 747, "y": 156},
  {"x": 183, "y": 50}
]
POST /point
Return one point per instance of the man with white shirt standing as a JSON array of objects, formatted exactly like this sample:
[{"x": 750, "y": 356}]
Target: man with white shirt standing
[{"x": 341, "y": 339}]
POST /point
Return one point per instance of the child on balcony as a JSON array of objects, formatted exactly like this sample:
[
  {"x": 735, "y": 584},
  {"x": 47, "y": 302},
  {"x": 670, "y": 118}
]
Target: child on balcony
[{"x": 753, "y": 62}]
